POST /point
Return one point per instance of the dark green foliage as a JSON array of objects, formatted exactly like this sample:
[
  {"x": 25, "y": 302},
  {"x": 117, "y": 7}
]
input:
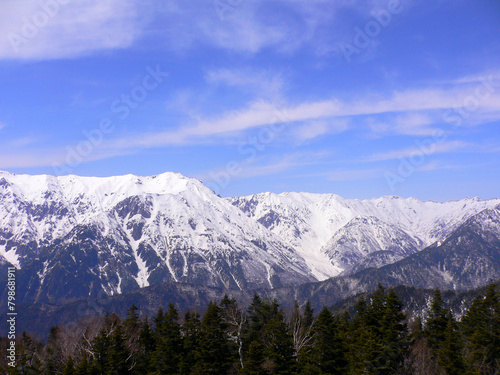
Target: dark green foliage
[
  {"x": 168, "y": 352},
  {"x": 69, "y": 367},
  {"x": 212, "y": 355},
  {"x": 118, "y": 354},
  {"x": 267, "y": 327},
  {"x": 327, "y": 352},
  {"x": 191, "y": 340},
  {"x": 449, "y": 351},
  {"x": 254, "y": 360},
  {"x": 481, "y": 328},
  {"x": 375, "y": 339},
  {"x": 437, "y": 321}
]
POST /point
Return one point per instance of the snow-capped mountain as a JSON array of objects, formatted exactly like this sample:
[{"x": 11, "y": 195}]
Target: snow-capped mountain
[
  {"x": 74, "y": 237},
  {"x": 334, "y": 234}
]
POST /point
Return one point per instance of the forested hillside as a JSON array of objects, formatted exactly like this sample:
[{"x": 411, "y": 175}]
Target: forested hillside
[{"x": 377, "y": 338}]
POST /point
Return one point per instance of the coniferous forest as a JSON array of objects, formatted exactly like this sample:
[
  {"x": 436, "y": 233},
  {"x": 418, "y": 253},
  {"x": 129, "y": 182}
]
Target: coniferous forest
[{"x": 379, "y": 338}]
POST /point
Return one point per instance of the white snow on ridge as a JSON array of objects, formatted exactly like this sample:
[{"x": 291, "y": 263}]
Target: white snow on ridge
[
  {"x": 309, "y": 221},
  {"x": 186, "y": 216}
]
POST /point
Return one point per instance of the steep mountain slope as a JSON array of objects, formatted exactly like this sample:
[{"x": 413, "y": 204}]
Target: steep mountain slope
[
  {"x": 327, "y": 229},
  {"x": 79, "y": 236},
  {"x": 369, "y": 237},
  {"x": 468, "y": 258},
  {"x": 74, "y": 237}
]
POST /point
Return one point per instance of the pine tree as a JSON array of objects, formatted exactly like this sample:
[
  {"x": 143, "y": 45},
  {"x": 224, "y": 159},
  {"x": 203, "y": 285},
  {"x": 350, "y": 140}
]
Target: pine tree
[
  {"x": 278, "y": 342},
  {"x": 481, "y": 328},
  {"x": 233, "y": 320},
  {"x": 191, "y": 341},
  {"x": 394, "y": 333},
  {"x": 100, "y": 348},
  {"x": 437, "y": 321},
  {"x": 327, "y": 355},
  {"x": 117, "y": 354},
  {"x": 168, "y": 351},
  {"x": 69, "y": 367},
  {"x": 53, "y": 362},
  {"x": 147, "y": 345},
  {"x": 449, "y": 351},
  {"x": 212, "y": 356},
  {"x": 254, "y": 360},
  {"x": 83, "y": 367}
]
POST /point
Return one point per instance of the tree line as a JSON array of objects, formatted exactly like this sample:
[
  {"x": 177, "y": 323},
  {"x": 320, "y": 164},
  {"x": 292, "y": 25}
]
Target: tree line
[{"x": 378, "y": 338}]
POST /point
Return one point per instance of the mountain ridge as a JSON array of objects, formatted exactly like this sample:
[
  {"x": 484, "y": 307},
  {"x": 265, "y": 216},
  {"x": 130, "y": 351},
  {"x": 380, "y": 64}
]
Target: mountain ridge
[{"x": 77, "y": 236}]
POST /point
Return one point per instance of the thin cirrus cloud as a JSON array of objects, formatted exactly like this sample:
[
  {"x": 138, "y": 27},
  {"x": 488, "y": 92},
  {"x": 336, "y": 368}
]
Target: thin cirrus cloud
[
  {"x": 417, "y": 110},
  {"x": 39, "y": 30},
  {"x": 33, "y": 30},
  {"x": 245, "y": 26},
  {"x": 414, "y": 111},
  {"x": 432, "y": 148},
  {"x": 263, "y": 83}
]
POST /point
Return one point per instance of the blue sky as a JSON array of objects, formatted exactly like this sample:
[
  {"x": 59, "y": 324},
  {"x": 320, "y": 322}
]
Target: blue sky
[{"x": 357, "y": 98}]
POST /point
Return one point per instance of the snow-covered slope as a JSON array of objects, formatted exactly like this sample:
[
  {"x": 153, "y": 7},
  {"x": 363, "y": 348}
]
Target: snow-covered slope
[
  {"x": 86, "y": 236},
  {"x": 325, "y": 228},
  {"x": 128, "y": 231}
]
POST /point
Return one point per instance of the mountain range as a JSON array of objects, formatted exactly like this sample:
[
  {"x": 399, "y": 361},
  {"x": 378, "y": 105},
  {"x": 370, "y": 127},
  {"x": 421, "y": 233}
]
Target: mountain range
[{"x": 77, "y": 237}]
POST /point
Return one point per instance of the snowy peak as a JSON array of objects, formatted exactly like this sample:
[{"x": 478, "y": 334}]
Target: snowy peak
[
  {"x": 315, "y": 223},
  {"x": 363, "y": 236},
  {"x": 128, "y": 231},
  {"x": 76, "y": 237}
]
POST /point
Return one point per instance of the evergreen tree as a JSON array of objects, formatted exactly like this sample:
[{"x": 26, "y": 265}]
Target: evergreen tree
[
  {"x": 394, "y": 334},
  {"x": 69, "y": 367},
  {"x": 168, "y": 351},
  {"x": 278, "y": 342},
  {"x": 191, "y": 341},
  {"x": 449, "y": 351},
  {"x": 254, "y": 360},
  {"x": 84, "y": 366},
  {"x": 363, "y": 338},
  {"x": 437, "y": 321},
  {"x": 481, "y": 328},
  {"x": 117, "y": 354},
  {"x": 213, "y": 355},
  {"x": 233, "y": 320},
  {"x": 53, "y": 361},
  {"x": 27, "y": 358},
  {"x": 327, "y": 355},
  {"x": 147, "y": 345}
]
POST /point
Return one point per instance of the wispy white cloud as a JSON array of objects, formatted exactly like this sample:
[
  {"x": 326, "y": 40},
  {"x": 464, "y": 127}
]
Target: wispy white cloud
[
  {"x": 436, "y": 166},
  {"x": 435, "y": 148},
  {"x": 262, "y": 113},
  {"x": 416, "y": 124},
  {"x": 40, "y": 30},
  {"x": 315, "y": 129},
  {"x": 264, "y": 84},
  {"x": 413, "y": 112}
]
